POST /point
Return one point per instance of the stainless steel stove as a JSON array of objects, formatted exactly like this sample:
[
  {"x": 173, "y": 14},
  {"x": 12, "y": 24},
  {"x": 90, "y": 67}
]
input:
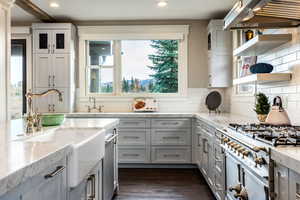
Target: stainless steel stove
[{"x": 271, "y": 135}]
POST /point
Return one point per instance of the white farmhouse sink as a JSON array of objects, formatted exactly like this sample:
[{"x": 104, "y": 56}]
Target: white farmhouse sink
[
  {"x": 86, "y": 155},
  {"x": 88, "y": 147}
]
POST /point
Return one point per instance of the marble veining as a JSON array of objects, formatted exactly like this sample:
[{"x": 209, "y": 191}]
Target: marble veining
[{"x": 24, "y": 157}]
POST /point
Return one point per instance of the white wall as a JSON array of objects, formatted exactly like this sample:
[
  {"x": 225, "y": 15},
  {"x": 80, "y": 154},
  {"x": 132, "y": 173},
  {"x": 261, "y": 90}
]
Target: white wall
[{"x": 284, "y": 58}]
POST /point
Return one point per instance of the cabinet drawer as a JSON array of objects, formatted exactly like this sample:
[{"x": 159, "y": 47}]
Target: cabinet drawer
[
  {"x": 133, "y": 136},
  {"x": 171, "y": 123},
  {"x": 171, "y": 137},
  {"x": 133, "y": 155},
  {"x": 171, "y": 155},
  {"x": 134, "y": 123}
]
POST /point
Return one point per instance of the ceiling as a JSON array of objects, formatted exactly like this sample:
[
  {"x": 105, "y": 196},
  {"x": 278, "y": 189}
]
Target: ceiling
[{"x": 90, "y": 10}]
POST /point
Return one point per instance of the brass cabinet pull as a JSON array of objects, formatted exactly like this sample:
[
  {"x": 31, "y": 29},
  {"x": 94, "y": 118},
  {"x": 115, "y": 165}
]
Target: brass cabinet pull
[
  {"x": 57, "y": 171},
  {"x": 49, "y": 47},
  {"x": 53, "y": 81},
  {"x": 53, "y": 108},
  {"x": 53, "y": 48},
  {"x": 49, "y": 107}
]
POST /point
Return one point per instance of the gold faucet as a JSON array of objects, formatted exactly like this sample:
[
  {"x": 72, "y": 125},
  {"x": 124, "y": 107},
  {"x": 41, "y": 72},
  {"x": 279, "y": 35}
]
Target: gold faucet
[{"x": 33, "y": 117}]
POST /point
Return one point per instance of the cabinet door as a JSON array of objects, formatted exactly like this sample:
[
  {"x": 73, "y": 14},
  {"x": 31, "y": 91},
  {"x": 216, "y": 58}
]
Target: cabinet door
[
  {"x": 43, "y": 70},
  {"x": 198, "y": 150},
  {"x": 61, "y": 41},
  {"x": 294, "y": 185},
  {"x": 42, "y": 41},
  {"x": 281, "y": 182},
  {"x": 51, "y": 185},
  {"x": 211, "y": 163},
  {"x": 60, "y": 76},
  {"x": 205, "y": 157}
]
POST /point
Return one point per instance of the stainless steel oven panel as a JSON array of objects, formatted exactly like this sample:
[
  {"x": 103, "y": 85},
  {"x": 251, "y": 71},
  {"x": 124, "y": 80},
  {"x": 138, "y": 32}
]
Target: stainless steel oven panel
[
  {"x": 233, "y": 175},
  {"x": 256, "y": 189}
]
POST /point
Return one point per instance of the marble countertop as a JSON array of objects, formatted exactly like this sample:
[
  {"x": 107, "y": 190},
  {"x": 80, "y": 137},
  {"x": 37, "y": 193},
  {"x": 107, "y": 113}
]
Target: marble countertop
[
  {"x": 22, "y": 158},
  {"x": 129, "y": 115}
]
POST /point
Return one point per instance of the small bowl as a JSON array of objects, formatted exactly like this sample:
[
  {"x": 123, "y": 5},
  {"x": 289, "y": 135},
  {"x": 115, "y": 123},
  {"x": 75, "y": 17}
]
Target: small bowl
[{"x": 52, "y": 119}]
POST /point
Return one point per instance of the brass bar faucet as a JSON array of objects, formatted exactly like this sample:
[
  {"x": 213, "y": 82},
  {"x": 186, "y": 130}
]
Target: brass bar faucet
[{"x": 32, "y": 116}]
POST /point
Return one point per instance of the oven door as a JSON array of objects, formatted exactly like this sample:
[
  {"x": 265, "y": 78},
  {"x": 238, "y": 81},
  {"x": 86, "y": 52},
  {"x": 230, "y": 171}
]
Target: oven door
[
  {"x": 233, "y": 175},
  {"x": 255, "y": 187}
]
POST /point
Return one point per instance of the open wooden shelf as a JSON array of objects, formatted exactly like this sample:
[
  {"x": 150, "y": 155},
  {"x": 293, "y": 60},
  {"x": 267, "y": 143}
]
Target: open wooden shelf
[
  {"x": 261, "y": 44},
  {"x": 263, "y": 78}
]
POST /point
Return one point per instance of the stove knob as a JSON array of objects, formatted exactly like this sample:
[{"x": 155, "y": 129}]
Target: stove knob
[
  {"x": 237, "y": 188},
  {"x": 257, "y": 149},
  {"x": 259, "y": 161},
  {"x": 236, "y": 146},
  {"x": 240, "y": 150},
  {"x": 242, "y": 195},
  {"x": 245, "y": 153},
  {"x": 230, "y": 143}
]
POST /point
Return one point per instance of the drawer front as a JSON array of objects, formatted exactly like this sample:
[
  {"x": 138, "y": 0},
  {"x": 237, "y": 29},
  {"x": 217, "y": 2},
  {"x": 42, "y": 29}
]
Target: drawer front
[
  {"x": 171, "y": 123},
  {"x": 134, "y": 123},
  {"x": 133, "y": 136},
  {"x": 133, "y": 155},
  {"x": 171, "y": 137},
  {"x": 171, "y": 155}
]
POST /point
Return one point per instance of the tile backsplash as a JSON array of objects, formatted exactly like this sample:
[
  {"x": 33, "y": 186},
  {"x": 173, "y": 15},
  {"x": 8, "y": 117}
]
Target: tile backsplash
[
  {"x": 193, "y": 102},
  {"x": 285, "y": 58}
]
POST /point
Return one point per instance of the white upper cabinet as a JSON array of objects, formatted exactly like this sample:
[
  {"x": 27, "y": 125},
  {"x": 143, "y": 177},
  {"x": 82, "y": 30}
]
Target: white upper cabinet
[
  {"x": 51, "y": 41},
  {"x": 54, "y": 64},
  {"x": 219, "y": 55}
]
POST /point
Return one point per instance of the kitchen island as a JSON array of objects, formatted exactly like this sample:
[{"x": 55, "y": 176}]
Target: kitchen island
[{"x": 24, "y": 157}]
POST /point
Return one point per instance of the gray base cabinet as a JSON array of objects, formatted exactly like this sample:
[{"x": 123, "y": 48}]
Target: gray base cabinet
[
  {"x": 157, "y": 140},
  {"x": 50, "y": 184},
  {"x": 90, "y": 187},
  {"x": 209, "y": 156},
  {"x": 286, "y": 183}
]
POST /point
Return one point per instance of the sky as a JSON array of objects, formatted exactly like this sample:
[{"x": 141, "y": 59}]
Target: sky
[{"x": 135, "y": 59}]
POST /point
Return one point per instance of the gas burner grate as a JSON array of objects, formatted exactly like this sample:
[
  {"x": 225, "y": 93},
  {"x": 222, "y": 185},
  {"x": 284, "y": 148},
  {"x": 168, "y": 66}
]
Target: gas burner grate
[{"x": 270, "y": 134}]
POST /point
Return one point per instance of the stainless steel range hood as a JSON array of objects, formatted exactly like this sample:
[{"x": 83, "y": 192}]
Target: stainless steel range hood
[{"x": 263, "y": 14}]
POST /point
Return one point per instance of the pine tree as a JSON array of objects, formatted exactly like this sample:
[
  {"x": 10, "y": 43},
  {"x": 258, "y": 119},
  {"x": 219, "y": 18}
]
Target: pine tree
[
  {"x": 165, "y": 65},
  {"x": 150, "y": 86},
  {"x": 125, "y": 85},
  {"x": 132, "y": 85},
  {"x": 262, "y": 105}
]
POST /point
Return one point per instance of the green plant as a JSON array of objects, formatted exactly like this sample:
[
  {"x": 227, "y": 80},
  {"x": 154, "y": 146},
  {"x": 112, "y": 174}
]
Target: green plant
[{"x": 262, "y": 106}]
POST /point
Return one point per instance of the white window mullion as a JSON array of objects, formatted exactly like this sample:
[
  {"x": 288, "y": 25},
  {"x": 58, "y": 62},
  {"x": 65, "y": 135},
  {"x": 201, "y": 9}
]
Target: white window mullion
[{"x": 118, "y": 68}]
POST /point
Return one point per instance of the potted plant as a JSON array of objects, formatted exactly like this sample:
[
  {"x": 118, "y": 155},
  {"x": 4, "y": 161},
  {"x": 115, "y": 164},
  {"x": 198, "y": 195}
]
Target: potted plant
[{"x": 262, "y": 107}]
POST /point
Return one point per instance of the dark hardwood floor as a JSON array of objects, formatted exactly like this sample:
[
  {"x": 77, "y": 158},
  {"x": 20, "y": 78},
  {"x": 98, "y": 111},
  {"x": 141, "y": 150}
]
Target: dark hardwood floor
[{"x": 162, "y": 184}]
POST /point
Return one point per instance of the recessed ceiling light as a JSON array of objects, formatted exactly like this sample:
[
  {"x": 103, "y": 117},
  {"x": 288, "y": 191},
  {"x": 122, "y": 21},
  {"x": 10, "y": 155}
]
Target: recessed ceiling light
[
  {"x": 162, "y": 4},
  {"x": 54, "y": 5}
]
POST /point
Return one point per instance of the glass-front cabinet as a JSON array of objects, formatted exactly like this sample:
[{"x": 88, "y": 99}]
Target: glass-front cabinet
[{"x": 51, "y": 41}]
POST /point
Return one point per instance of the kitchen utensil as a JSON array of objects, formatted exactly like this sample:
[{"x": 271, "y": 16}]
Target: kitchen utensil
[
  {"x": 213, "y": 101},
  {"x": 261, "y": 68},
  {"x": 52, "y": 119},
  {"x": 277, "y": 115}
]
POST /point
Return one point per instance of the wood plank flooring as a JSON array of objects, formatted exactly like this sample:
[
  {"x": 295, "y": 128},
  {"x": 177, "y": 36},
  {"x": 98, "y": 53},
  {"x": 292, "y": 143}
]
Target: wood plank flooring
[{"x": 162, "y": 184}]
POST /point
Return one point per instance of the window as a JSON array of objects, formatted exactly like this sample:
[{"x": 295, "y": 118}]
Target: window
[
  {"x": 149, "y": 62},
  {"x": 100, "y": 65},
  {"x": 149, "y": 66}
]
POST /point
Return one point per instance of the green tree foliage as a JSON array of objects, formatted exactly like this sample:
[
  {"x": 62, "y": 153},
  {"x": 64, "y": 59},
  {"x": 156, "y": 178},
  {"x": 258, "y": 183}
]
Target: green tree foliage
[
  {"x": 262, "y": 105},
  {"x": 165, "y": 66},
  {"x": 125, "y": 85}
]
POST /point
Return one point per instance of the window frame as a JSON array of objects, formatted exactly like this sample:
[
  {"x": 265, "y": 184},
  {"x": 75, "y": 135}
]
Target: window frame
[{"x": 118, "y": 33}]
